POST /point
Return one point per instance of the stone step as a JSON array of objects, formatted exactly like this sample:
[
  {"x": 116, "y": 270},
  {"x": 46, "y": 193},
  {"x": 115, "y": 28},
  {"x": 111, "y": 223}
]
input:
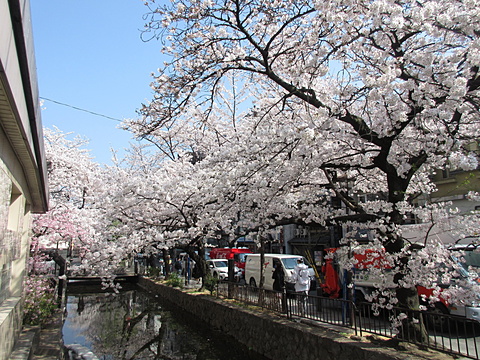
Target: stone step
[{"x": 24, "y": 346}]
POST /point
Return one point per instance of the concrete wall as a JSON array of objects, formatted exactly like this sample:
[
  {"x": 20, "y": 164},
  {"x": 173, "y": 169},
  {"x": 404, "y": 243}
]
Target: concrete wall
[
  {"x": 10, "y": 325},
  {"x": 276, "y": 337},
  {"x": 15, "y": 231}
]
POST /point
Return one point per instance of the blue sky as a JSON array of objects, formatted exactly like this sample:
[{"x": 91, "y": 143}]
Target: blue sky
[{"x": 90, "y": 56}]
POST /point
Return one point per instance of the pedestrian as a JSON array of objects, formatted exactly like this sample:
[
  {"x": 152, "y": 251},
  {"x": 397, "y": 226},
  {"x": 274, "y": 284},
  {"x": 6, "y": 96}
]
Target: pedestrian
[
  {"x": 301, "y": 277},
  {"x": 196, "y": 273},
  {"x": 178, "y": 266},
  {"x": 278, "y": 276}
]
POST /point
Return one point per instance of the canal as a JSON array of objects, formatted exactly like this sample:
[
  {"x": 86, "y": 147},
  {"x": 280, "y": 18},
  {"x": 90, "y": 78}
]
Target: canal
[{"x": 134, "y": 324}]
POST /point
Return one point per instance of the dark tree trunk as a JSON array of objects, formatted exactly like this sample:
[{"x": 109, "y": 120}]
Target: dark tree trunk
[
  {"x": 407, "y": 297},
  {"x": 166, "y": 260}
]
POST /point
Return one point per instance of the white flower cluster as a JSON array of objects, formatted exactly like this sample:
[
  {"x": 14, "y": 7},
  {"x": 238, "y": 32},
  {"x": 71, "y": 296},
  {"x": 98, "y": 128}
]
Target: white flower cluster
[{"x": 331, "y": 113}]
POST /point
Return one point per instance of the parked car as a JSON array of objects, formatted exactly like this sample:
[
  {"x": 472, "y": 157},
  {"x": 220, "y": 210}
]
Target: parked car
[
  {"x": 237, "y": 254},
  {"x": 219, "y": 269},
  {"x": 288, "y": 262}
]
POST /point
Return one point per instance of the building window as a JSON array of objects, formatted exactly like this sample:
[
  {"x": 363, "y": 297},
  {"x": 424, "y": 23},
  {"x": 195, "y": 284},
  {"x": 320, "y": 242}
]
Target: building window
[{"x": 14, "y": 210}]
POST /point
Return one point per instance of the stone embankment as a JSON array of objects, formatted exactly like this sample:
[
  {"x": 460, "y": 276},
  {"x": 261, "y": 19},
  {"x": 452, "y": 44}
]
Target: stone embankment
[{"x": 278, "y": 338}]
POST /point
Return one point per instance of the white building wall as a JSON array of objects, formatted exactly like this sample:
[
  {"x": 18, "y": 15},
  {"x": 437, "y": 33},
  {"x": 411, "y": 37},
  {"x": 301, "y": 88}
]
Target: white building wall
[
  {"x": 23, "y": 181},
  {"x": 14, "y": 240}
]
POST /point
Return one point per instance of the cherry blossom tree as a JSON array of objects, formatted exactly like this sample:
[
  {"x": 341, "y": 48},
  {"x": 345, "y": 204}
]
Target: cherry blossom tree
[
  {"x": 154, "y": 210},
  {"x": 69, "y": 223},
  {"x": 74, "y": 182},
  {"x": 345, "y": 99}
]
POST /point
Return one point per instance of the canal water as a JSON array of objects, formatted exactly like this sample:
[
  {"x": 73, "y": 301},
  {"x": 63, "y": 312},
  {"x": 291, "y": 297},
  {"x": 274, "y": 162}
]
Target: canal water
[{"x": 134, "y": 324}]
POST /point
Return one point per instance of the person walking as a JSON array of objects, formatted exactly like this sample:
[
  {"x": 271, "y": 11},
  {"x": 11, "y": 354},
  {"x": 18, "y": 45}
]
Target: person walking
[
  {"x": 278, "y": 276},
  {"x": 178, "y": 266},
  {"x": 197, "y": 273},
  {"x": 301, "y": 277}
]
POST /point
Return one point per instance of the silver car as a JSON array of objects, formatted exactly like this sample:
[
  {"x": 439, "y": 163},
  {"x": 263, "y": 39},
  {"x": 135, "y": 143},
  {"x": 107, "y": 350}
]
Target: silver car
[{"x": 219, "y": 269}]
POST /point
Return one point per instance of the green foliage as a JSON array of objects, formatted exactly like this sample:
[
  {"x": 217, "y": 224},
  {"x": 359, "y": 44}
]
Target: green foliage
[
  {"x": 174, "y": 280},
  {"x": 211, "y": 283},
  {"x": 154, "y": 272},
  {"x": 40, "y": 302}
]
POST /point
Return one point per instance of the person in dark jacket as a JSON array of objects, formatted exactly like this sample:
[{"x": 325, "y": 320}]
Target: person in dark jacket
[
  {"x": 196, "y": 273},
  {"x": 278, "y": 276},
  {"x": 178, "y": 266}
]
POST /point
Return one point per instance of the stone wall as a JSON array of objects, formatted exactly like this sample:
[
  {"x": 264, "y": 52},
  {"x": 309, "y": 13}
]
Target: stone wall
[
  {"x": 14, "y": 246},
  {"x": 10, "y": 325},
  {"x": 276, "y": 337}
]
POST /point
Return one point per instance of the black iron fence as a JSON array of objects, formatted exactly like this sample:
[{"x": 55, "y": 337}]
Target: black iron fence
[{"x": 451, "y": 334}]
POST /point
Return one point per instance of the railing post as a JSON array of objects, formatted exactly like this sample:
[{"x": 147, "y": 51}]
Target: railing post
[
  {"x": 231, "y": 278},
  {"x": 284, "y": 302},
  {"x": 230, "y": 290},
  {"x": 353, "y": 316}
]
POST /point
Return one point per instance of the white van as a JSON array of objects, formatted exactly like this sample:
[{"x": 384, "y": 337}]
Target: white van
[{"x": 288, "y": 262}]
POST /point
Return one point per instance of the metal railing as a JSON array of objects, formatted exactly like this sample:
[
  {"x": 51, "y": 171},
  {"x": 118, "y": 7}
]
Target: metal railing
[
  {"x": 331, "y": 311},
  {"x": 447, "y": 333},
  {"x": 267, "y": 299}
]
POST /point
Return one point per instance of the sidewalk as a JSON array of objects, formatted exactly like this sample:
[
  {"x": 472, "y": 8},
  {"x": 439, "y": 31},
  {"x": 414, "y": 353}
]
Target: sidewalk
[
  {"x": 50, "y": 342},
  {"x": 37, "y": 343}
]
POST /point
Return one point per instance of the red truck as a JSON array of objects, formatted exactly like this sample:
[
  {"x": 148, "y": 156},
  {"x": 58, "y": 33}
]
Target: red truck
[
  {"x": 333, "y": 282},
  {"x": 237, "y": 254}
]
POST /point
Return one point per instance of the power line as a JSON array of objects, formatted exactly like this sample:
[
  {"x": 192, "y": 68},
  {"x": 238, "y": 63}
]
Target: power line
[{"x": 80, "y": 109}]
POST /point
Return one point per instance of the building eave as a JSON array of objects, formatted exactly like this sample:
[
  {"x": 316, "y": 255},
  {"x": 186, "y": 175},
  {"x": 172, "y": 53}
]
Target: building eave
[{"x": 24, "y": 135}]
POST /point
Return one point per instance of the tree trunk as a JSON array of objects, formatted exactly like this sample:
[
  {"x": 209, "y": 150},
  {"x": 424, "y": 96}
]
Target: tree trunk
[
  {"x": 261, "y": 293},
  {"x": 407, "y": 297},
  {"x": 262, "y": 262},
  {"x": 166, "y": 260}
]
